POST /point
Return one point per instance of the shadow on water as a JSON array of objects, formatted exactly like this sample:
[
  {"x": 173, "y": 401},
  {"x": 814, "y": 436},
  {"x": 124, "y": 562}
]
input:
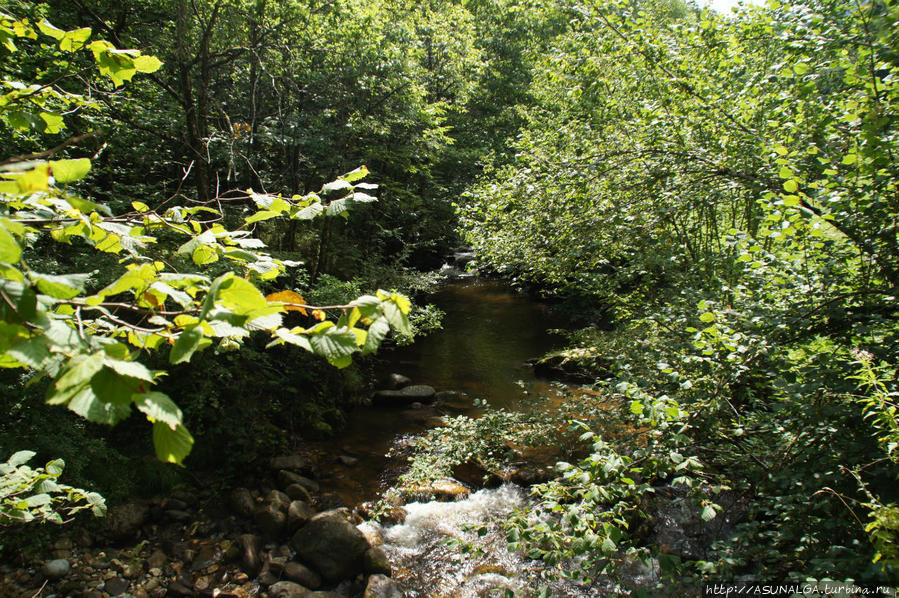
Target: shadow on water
[{"x": 489, "y": 332}]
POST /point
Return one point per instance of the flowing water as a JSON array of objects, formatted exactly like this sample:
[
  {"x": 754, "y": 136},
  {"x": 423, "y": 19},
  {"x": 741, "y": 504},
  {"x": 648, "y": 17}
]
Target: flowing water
[{"x": 489, "y": 332}]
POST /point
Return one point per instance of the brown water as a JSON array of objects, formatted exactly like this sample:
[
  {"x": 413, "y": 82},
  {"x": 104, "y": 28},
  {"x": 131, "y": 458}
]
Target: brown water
[{"x": 489, "y": 332}]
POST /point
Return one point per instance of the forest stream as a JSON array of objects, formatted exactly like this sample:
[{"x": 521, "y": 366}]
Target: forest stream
[{"x": 489, "y": 333}]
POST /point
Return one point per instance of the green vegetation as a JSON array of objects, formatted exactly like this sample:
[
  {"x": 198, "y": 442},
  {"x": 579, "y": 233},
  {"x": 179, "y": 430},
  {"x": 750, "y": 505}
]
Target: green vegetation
[{"x": 720, "y": 191}]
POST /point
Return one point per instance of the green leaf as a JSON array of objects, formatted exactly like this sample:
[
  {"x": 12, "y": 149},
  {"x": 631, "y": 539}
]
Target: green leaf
[
  {"x": 262, "y": 215},
  {"x": 89, "y": 406},
  {"x": 333, "y": 342},
  {"x": 111, "y": 387},
  {"x": 337, "y": 185},
  {"x": 66, "y": 171},
  {"x": 158, "y": 407},
  {"x": 355, "y": 175},
  {"x": 785, "y": 173},
  {"x": 47, "y": 28},
  {"x": 75, "y": 378},
  {"x": 55, "y": 467},
  {"x": 791, "y": 186},
  {"x": 147, "y": 64},
  {"x": 32, "y": 352},
  {"x": 60, "y": 287},
  {"x": 708, "y": 513},
  {"x": 38, "y": 500},
  {"x": 608, "y": 546},
  {"x": 20, "y": 458},
  {"x": 132, "y": 369},
  {"x": 172, "y": 444},
  {"x": 707, "y": 317},
  {"x": 185, "y": 345},
  {"x": 377, "y": 332},
  {"x": 241, "y": 297},
  {"x": 10, "y": 250}
]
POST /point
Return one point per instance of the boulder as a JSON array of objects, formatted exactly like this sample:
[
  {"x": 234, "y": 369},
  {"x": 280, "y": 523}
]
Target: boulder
[
  {"x": 474, "y": 474},
  {"x": 299, "y": 492},
  {"x": 250, "y": 557},
  {"x": 303, "y": 575},
  {"x": 56, "y": 569},
  {"x": 443, "y": 490},
  {"x": 287, "y": 589},
  {"x": 292, "y": 462},
  {"x": 125, "y": 520},
  {"x": 271, "y": 520},
  {"x": 376, "y": 561},
  {"x": 278, "y": 499},
  {"x": 331, "y": 545},
  {"x": 421, "y": 393},
  {"x": 241, "y": 502},
  {"x": 298, "y": 514},
  {"x": 397, "y": 381},
  {"x": 347, "y": 461},
  {"x": 381, "y": 586}
]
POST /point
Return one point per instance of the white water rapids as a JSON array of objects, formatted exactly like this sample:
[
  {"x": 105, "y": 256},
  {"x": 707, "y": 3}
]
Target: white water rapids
[{"x": 427, "y": 567}]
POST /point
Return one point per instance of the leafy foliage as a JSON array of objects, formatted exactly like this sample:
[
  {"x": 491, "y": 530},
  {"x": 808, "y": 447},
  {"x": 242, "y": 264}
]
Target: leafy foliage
[
  {"x": 87, "y": 339},
  {"x": 28, "y": 495}
]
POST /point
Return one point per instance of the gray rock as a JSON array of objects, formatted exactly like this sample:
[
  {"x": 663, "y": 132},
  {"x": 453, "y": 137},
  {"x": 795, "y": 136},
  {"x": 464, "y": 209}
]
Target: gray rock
[
  {"x": 117, "y": 586},
  {"x": 125, "y": 519},
  {"x": 179, "y": 588},
  {"x": 399, "y": 398},
  {"x": 242, "y": 503},
  {"x": 271, "y": 520},
  {"x": 287, "y": 589},
  {"x": 381, "y": 586},
  {"x": 376, "y": 561},
  {"x": 325, "y": 595},
  {"x": 298, "y": 514},
  {"x": 331, "y": 545},
  {"x": 347, "y": 460},
  {"x": 303, "y": 575},
  {"x": 331, "y": 500},
  {"x": 250, "y": 559},
  {"x": 398, "y": 381},
  {"x": 278, "y": 499},
  {"x": 299, "y": 492},
  {"x": 293, "y": 462},
  {"x": 56, "y": 569}
]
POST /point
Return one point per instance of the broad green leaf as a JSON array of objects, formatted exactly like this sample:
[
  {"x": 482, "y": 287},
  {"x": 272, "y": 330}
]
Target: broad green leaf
[
  {"x": 262, "y": 215},
  {"x": 337, "y": 185},
  {"x": 38, "y": 500},
  {"x": 333, "y": 342},
  {"x": 241, "y": 297},
  {"x": 32, "y": 352},
  {"x": 377, "y": 332},
  {"x": 66, "y": 171},
  {"x": 49, "y": 29},
  {"x": 708, "y": 513},
  {"x": 355, "y": 175},
  {"x": 111, "y": 387},
  {"x": 10, "y": 250},
  {"x": 707, "y": 317},
  {"x": 147, "y": 64},
  {"x": 791, "y": 186},
  {"x": 89, "y": 406},
  {"x": 172, "y": 444},
  {"x": 20, "y": 458},
  {"x": 65, "y": 286},
  {"x": 55, "y": 467},
  {"x": 158, "y": 407},
  {"x": 185, "y": 345},
  {"x": 75, "y": 377}
]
